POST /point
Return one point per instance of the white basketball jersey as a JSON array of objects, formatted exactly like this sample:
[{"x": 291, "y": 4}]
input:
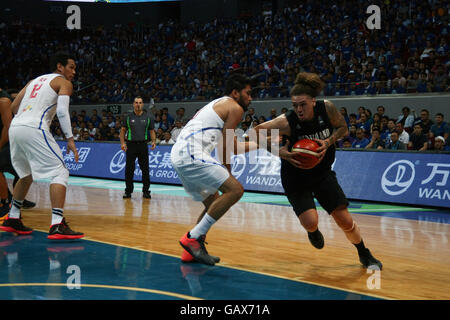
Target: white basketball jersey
[
  {"x": 38, "y": 106},
  {"x": 204, "y": 131}
]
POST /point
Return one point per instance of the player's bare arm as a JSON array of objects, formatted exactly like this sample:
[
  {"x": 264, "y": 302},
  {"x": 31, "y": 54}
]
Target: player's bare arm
[
  {"x": 5, "y": 113},
  {"x": 263, "y": 132},
  {"x": 16, "y": 103},
  {"x": 339, "y": 125},
  {"x": 281, "y": 123},
  {"x": 232, "y": 113}
]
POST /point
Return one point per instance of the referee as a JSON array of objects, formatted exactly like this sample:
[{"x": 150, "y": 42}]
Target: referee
[{"x": 133, "y": 140}]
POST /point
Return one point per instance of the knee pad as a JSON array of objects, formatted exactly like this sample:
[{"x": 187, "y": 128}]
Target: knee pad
[{"x": 61, "y": 178}]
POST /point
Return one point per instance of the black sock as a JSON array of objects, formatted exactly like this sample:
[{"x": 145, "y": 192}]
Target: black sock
[
  {"x": 314, "y": 233},
  {"x": 360, "y": 246}
]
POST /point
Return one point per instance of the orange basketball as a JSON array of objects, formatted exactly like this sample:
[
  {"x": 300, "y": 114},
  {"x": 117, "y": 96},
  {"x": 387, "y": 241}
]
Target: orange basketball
[{"x": 308, "y": 155}]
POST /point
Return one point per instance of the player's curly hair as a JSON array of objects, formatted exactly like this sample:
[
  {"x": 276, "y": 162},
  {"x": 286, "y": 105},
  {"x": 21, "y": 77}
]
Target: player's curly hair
[{"x": 307, "y": 83}]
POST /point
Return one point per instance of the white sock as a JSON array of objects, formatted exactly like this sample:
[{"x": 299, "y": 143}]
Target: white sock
[
  {"x": 203, "y": 226},
  {"x": 14, "y": 213},
  {"x": 57, "y": 215}
]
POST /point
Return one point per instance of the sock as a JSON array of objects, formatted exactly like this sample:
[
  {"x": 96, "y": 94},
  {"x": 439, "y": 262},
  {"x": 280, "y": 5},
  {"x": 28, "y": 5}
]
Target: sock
[
  {"x": 14, "y": 213},
  {"x": 360, "y": 246},
  {"x": 202, "y": 227},
  {"x": 57, "y": 215}
]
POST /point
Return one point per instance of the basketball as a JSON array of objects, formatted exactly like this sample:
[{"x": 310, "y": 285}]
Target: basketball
[{"x": 308, "y": 155}]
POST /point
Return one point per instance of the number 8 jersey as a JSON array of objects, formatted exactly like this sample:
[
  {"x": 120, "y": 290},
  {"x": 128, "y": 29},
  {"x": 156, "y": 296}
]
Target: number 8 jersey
[{"x": 38, "y": 106}]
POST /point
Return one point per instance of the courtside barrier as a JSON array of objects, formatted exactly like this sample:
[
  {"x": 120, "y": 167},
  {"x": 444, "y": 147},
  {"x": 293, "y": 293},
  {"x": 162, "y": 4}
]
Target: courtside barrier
[{"x": 395, "y": 177}]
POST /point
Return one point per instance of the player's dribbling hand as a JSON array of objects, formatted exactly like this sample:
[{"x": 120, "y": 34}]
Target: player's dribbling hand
[
  {"x": 71, "y": 147},
  {"x": 289, "y": 156},
  {"x": 323, "y": 146},
  {"x": 123, "y": 146}
]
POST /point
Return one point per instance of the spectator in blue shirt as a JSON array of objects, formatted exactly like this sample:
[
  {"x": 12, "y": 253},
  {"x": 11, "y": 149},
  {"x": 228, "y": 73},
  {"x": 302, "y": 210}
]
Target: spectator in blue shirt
[
  {"x": 440, "y": 127},
  {"x": 439, "y": 144},
  {"x": 361, "y": 141},
  {"x": 395, "y": 144}
]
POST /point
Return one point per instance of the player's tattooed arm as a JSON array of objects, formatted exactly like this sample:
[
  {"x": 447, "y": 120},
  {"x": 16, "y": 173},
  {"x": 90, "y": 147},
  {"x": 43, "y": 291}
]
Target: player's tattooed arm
[{"x": 337, "y": 121}]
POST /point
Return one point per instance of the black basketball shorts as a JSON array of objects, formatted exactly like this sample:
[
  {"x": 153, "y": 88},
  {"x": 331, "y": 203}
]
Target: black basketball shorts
[{"x": 326, "y": 190}]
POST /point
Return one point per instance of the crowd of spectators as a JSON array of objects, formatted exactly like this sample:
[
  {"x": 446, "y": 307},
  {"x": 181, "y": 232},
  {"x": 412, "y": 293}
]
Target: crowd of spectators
[
  {"x": 407, "y": 131},
  {"x": 177, "y": 62}
]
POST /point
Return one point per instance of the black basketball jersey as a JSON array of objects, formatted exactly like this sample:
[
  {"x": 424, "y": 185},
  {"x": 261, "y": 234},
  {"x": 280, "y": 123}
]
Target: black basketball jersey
[
  {"x": 4, "y": 94},
  {"x": 318, "y": 128}
]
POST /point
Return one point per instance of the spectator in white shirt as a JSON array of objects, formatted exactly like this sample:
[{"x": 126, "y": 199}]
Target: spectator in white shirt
[
  {"x": 176, "y": 130},
  {"x": 403, "y": 136},
  {"x": 407, "y": 119},
  {"x": 167, "y": 139}
]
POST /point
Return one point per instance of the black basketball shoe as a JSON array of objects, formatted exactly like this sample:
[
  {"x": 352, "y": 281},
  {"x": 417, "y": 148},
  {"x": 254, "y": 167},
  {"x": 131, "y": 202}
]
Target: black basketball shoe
[
  {"x": 316, "y": 239},
  {"x": 368, "y": 260},
  {"x": 62, "y": 231}
]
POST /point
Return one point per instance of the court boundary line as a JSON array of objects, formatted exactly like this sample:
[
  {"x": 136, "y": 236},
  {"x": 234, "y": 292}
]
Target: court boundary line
[
  {"x": 101, "y": 286},
  {"x": 240, "y": 269}
]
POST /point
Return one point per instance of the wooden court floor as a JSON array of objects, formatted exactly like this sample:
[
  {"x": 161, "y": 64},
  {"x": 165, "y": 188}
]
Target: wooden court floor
[{"x": 265, "y": 238}]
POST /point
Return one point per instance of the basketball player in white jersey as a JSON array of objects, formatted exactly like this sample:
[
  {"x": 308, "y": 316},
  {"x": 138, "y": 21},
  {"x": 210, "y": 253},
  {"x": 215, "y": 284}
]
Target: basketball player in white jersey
[
  {"x": 201, "y": 174},
  {"x": 34, "y": 152}
]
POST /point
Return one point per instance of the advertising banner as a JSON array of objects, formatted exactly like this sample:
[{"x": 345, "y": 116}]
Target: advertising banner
[{"x": 406, "y": 178}]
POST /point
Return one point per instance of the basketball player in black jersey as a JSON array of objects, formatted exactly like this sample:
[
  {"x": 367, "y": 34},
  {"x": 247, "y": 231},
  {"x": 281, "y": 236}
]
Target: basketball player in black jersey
[
  {"x": 321, "y": 121},
  {"x": 6, "y": 98}
]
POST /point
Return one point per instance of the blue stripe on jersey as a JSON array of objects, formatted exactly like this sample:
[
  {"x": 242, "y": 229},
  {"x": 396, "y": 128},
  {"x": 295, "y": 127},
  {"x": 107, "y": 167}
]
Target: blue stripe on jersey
[
  {"x": 46, "y": 141},
  {"x": 201, "y": 130},
  {"x": 40, "y": 123},
  {"x": 189, "y": 145},
  {"x": 204, "y": 161}
]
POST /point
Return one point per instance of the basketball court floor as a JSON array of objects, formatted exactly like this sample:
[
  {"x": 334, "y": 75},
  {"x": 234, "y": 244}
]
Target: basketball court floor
[{"x": 131, "y": 250}]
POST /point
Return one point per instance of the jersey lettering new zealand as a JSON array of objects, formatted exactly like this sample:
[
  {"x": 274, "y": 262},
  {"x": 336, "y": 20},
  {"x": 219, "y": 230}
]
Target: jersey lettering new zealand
[{"x": 318, "y": 128}]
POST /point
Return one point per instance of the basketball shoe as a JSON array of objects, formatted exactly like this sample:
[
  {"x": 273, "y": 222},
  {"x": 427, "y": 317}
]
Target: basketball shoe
[
  {"x": 367, "y": 259},
  {"x": 196, "y": 248},
  {"x": 146, "y": 195},
  {"x": 316, "y": 239},
  {"x": 15, "y": 225},
  {"x": 4, "y": 210},
  {"x": 63, "y": 231},
  {"x": 187, "y": 257}
]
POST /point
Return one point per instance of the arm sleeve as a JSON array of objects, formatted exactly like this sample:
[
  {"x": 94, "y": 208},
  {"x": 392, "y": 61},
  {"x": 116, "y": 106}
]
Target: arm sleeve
[{"x": 62, "y": 111}]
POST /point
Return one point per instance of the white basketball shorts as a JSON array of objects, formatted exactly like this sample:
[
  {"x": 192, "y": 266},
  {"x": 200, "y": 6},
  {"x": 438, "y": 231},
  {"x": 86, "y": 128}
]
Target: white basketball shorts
[
  {"x": 35, "y": 151},
  {"x": 200, "y": 177}
]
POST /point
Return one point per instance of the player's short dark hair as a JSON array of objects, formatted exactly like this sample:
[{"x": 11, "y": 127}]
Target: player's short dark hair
[
  {"x": 237, "y": 82},
  {"x": 59, "y": 57}
]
